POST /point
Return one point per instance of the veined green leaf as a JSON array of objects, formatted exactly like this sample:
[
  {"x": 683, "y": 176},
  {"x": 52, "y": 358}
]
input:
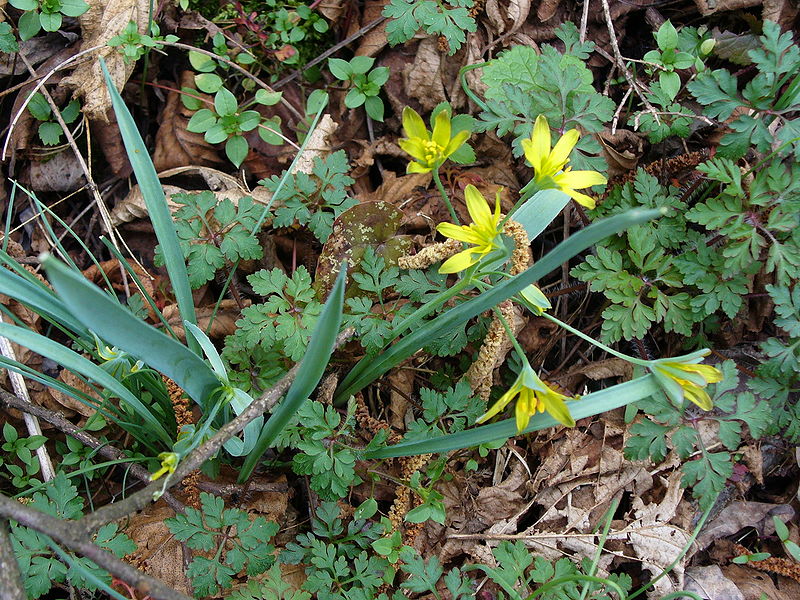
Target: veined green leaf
[
  {"x": 116, "y": 325},
  {"x": 75, "y": 362},
  {"x": 312, "y": 367},
  {"x": 37, "y": 297},
  {"x": 372, "y": 367},
  {"x": 591, "y": 404},
  {"x": 156, "y": 202},
  {"x": 536, "y": 214}
]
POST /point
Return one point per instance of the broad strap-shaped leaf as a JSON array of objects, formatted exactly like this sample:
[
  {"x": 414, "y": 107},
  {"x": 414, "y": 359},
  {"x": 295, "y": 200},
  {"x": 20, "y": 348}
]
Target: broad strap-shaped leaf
[
  {"x": 370, "y": 368},
  {"x": 589, "y": 405},
  {"x": 75, "y": 362},
  {"x": 156, "y": 203},
  {"x": 118, "y": 326},
  {"x": 311, "y": 369}
]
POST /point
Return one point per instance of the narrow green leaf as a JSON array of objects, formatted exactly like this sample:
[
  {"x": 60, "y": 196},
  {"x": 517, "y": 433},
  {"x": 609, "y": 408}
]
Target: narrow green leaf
[
  {"x": 75, "y": 362},
  {"x": 591, "y": 404},
  {"x": 156, "y": 203},
  {"x": 539, "y": 211},
  {"x": 311, "y": 369},
  {"x": 119, "y": 327},
  {"x": 372, "y": 367}
]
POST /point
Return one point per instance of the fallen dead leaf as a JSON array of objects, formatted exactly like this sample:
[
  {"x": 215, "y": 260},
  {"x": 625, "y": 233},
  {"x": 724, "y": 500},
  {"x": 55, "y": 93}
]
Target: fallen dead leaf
[
  {"x": 711, "y": 584},
  {"x": 224, "y": 320},
  {"x": 423, "y": 78},
  {"x": 752, "y": 584},
  {"x": 176, "y": 146},
  {"x": 59, "y": 173},
  {"x": 104, "y": 20}
]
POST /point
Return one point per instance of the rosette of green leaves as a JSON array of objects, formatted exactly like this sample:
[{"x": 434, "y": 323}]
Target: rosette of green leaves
[
  {"x": 45, "y": 14},
  {"x": 228, "y": 123},
  {"x": 365, "y": 84},
  {"x": 49, "y": 130}
]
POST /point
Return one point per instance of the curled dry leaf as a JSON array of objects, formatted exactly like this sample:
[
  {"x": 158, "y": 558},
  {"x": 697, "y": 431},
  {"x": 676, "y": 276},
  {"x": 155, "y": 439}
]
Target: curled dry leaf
[
  {"x": 176, "y": 146},
  {"x": 374, "y": 40},
  {"x": 319, "y": 144},
  {"x": 622, "y": 150},
  {"x": 423, "y": 78},
  {"x": 104, "y": 20},
  {"x": 133, "y": 207}
]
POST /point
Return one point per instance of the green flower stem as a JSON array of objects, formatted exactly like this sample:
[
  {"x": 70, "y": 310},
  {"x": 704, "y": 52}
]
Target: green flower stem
[
  {"x": 511, "y": 336},
  {"x": 447, "y": 202},
  {"x": 462, "y": 76},
  {"x": 591, "y": 340}
]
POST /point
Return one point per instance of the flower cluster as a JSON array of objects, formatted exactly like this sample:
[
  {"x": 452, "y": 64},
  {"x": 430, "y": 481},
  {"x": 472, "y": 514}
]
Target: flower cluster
[
  {"x": 682, "y": 377},
  {"x": 534, "y": 396},
  {"x": 550, "y": 165},
  {"x": 430, "y": 149}
]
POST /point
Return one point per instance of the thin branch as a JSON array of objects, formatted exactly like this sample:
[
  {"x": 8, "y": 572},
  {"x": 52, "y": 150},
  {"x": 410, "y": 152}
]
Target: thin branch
[
  {"x": 64, "y": 533},
  {"x": 10, "y": 576},
  {"x": 196, "y": 458},
  {"x": 83, "y": 437}
]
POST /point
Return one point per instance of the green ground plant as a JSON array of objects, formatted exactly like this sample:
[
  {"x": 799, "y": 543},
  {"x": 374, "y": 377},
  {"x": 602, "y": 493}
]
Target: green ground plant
[{"x": 450, "y": 19}]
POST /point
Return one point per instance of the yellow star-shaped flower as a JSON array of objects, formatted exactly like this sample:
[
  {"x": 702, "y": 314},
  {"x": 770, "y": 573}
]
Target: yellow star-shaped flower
[
  {"x": 550, "y": 165},
  {"x": 482, "y": 233},
  {"x": 429, "y": 149},
  {"x": 534, "y": 396},
  {"x": 682, "y": 377}
]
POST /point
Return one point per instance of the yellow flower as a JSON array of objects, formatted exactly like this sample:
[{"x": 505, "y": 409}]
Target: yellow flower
[
  {"x": 550, "y": 166},
  {"x": 169, "y": 461},
  {"x": 534, "y": 396},
  {"x": 482, "y": 233},
  {"x": 682, "y": 377},
  {"x": 429, "y": 149}
]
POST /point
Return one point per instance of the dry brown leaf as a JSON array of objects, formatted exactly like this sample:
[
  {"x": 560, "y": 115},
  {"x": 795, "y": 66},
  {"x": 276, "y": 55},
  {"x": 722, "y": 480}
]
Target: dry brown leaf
[
  {"x": 317, "y": 145},
  {"x": 133, "y": 206},
  {"x": 109, "y": 139},
  {"x": 547, "y": 8},
  {"x": 423, "y": 78},
  {"x": 176, "y": 146},
  {"x": 622, "y": 150},
  {"x": 375, "y": 39},
  {"x": 753, "y": 584},
  {"x": 401, "y": 382},
  {"x": 710, "y": 583},
  {"x": 224, "y": 320},
  {"x": 104, "y": 20},
  {"x": 158, "y": 553},
  {"x": 708, "y": 7},
  {"x": 59, "y": 173},
  {"x": 741, "y": 514}
]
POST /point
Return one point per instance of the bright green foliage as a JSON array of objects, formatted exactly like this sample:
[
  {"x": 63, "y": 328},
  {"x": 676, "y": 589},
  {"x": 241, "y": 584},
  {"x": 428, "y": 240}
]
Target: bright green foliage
[
  {"x": 18, "y": 460},
  {"x": 74, "y": 453},
  {"x": 423, "y": 576},
  {"x": 227, "y": 121},
  {"x": 666, "y": 272},
  {"x": 214, "y": 233},
  {"x": 432, "y": 505},
  {"x": 39, "y": 566},
  {"x": 45, "y": 14},
  {"x": 283, "y": 322},
  {"x": 759, "y": 225},
  {"x": 319, "y": 437},
  {"x": 780, "y": 373},
  {"x": 272, "y": 587},
  {"x": 50, "y": 131},
  {"x": 449, "y": 411},
  {"x": 340, "y": 562},
  {"x": 523, "y": 84},
  {"x": 449, "y": 19},
  {"x": 664, "y": 428},
  {"x": 8, "y": 43},
  {"x": 238, "y": 542},
  {"x": 765, "y": 104},
  {"x": 366, "y": 84},
  {"x": 315, "y": 199},
  {"x": 677, "y": 50},
  {"x": 133, "y": 45}
]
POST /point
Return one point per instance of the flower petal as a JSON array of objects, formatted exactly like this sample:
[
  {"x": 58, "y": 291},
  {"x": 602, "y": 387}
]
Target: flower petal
[
  {"x": 557, "y": 408},
  {"x": 413, "y": 146},
  {"x": 441, "y": 129},
  {"x": 455, "y": 143},
  {"x": 582, "y": 199},
  {"x": 699, "y": 396},
  {"x": 524, "y": 409},
  {"x": 462, "y": 233},
  {"x": 478, "y": 208},
  {"x": 415, "y": 167},
  {"x": 560, "y": 154},
  {"x": 413, "y": 124},
  {"x": 458, "y": 262},
  {"x": 537, "y": 150},
  {"x": 500, "y": 404},
  {"x": 707, "y": 372},
  {"x": 578, "y": 180}
]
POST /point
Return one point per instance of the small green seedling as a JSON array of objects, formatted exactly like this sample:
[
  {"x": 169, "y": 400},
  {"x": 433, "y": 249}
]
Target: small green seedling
[
  {"x": 45, "y": 14},
  {"x": 49, "y": 130},
  {"x": 133, "y": 45},
  {"x": 366, "y": 84},
  {"x": 668, "y": 58}
]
